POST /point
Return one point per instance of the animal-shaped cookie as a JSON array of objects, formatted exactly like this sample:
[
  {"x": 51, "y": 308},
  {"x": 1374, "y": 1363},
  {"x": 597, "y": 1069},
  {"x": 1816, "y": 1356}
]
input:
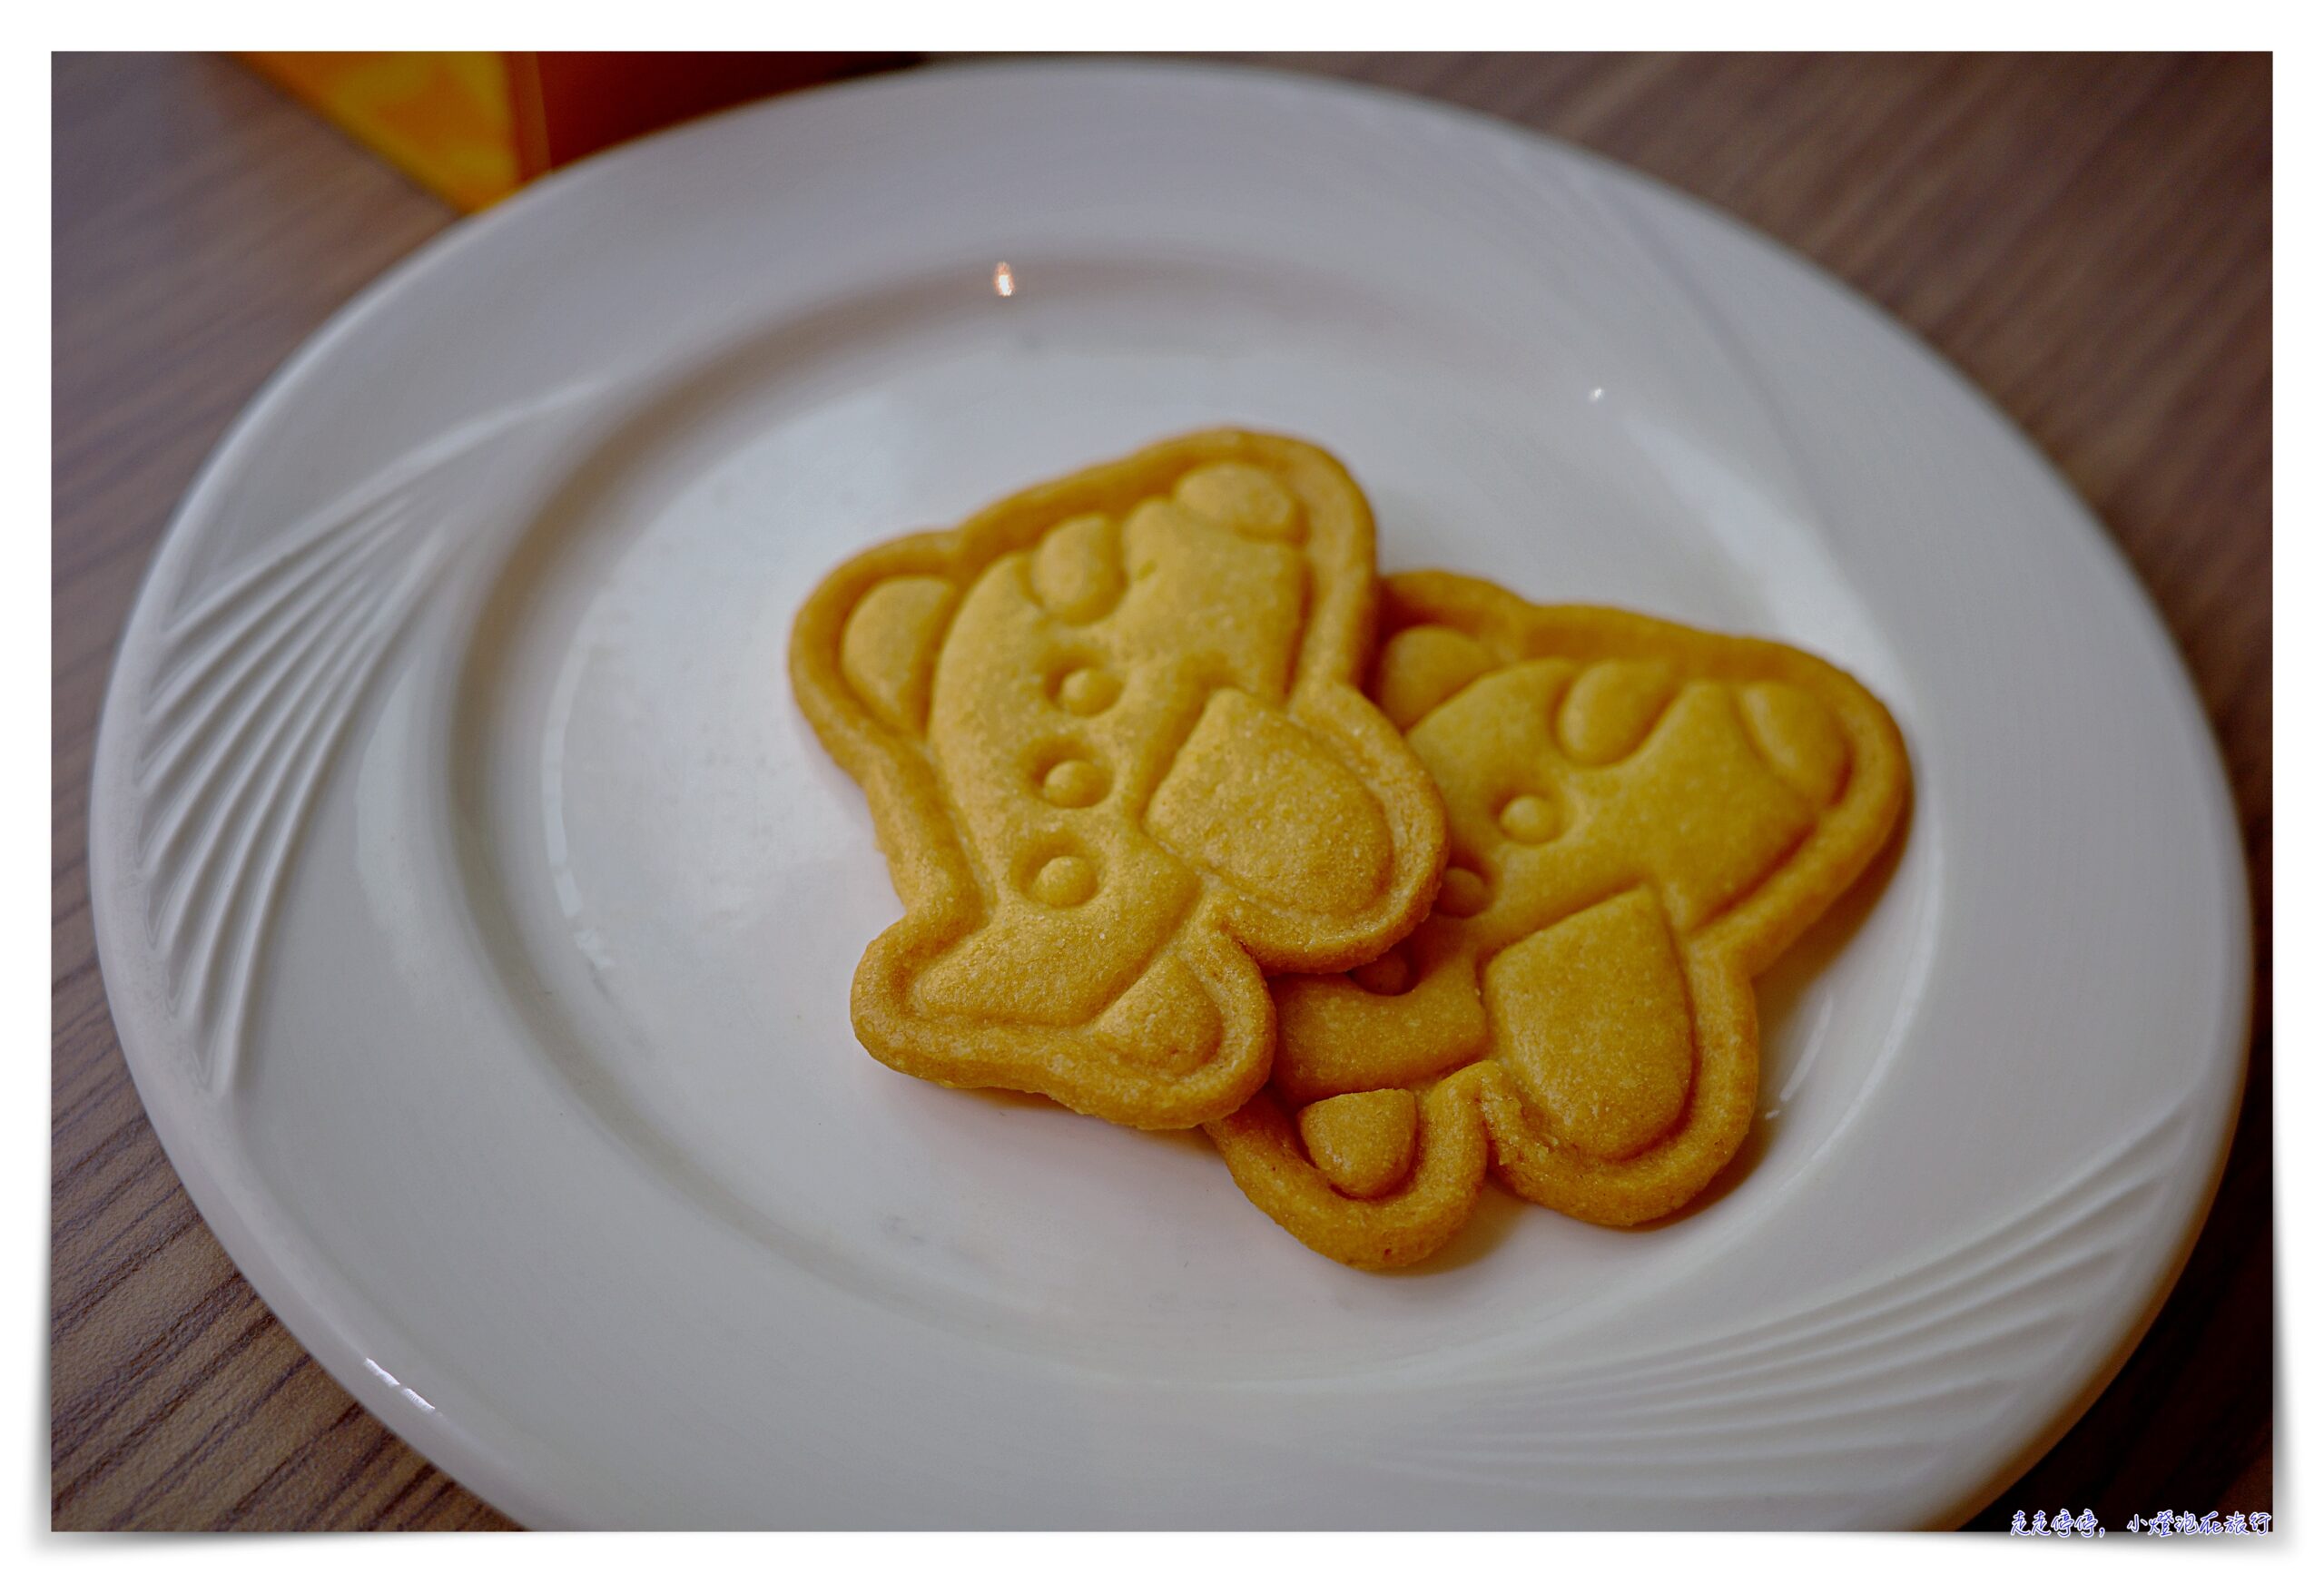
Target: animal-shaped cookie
[
  {"x": 1643, "y": 816},
  {"x": 1115, "y": 746}
]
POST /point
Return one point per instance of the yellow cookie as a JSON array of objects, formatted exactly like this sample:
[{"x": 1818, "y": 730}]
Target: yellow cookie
[
  {"x": 1112, "y": 738},
  {"x": 1643, "y": 818}
]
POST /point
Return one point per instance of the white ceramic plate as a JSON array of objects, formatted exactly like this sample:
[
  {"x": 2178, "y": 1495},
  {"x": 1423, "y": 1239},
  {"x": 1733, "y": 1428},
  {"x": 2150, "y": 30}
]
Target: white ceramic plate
[{"x": 479, "y": 912}]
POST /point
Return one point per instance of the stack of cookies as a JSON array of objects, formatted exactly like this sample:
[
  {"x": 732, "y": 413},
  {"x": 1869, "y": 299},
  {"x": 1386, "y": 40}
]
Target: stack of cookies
[{"x": 1199, "y": 821}]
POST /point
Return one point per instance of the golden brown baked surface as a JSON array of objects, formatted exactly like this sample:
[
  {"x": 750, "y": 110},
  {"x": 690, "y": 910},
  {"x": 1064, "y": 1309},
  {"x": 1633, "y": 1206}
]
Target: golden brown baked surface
[
  {"x": 1112, "y": 738},
  {"x": 1643, "y": 816}
]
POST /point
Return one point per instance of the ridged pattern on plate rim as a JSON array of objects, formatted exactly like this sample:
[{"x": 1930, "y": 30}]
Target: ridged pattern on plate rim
[
  {"x": 259, "y": 673},
  {"x": 1862, "y": 1379}
]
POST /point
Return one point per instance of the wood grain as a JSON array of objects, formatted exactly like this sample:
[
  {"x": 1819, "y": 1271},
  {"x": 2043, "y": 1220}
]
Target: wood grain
[{"x": 2090, "y": 238}]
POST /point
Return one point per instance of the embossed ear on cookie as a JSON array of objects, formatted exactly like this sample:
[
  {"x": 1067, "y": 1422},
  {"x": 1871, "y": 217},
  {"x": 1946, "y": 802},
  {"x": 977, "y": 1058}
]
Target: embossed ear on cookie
[
  {"x": 888, "y": 652},
  {"x": 863, "y": 652},
  {"x": 1419, "y": 667},
  {"x": 867, "y": 639}
]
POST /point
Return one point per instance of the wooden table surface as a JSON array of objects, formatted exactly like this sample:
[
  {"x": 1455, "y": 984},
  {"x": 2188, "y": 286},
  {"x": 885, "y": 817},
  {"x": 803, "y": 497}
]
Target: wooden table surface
[{"x": 2089, "y": 238}]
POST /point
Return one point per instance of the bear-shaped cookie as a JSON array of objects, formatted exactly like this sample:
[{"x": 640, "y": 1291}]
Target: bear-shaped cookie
[
  {"x": 1643, "y": 816},
  {"x": 1115, "y": 751}
]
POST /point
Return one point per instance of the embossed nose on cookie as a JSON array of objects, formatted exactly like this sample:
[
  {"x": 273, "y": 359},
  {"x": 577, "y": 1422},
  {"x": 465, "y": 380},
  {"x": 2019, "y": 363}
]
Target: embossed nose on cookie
[{"x": 1132, "y": 772}]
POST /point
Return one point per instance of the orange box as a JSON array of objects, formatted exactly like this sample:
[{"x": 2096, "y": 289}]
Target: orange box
[{"x": 474, "y": 125}]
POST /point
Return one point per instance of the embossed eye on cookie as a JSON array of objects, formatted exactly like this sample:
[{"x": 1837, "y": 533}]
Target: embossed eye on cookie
[
  {"x": 1113, "y": 737},
  {"x": 1642, "y": 817}
]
